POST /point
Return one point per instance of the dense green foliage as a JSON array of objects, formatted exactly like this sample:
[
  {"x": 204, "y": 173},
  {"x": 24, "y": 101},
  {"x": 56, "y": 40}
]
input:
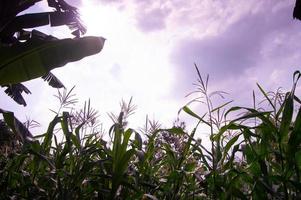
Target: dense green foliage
[{"x": 255, "y": 156}]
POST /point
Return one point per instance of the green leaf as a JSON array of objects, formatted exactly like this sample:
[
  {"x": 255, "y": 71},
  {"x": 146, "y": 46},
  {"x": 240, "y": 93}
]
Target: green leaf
[
  {"x": 203, "y": 156},
  {"x": 266, "y": 96},
  {"x": 254, "y": 168},
  {"x": 187, "y": 146},
  {"x": 189, "y": 167},
  {"x": 138, "y": 140},
  {"x": 48, "y": 136},
  {"x": 171, "y": 157},
  {"x": 175, "y": 130},
  {"x": 116, "y": 129},
  {"x": 120, "y": 169},
  {"x": 65, "y": 124},
  {"x": 17, "y": 127},
  {"x": 286, "y": 117},
  {"x": 298, "y": 159},
  {"x": 190, "y": 112},
  {"x": 228, "y": 146},
  {"x": 252, "y": 113},
  {"x": 230, "y": 126},
  {"x": 221, "y": 106},
  {"x": 231, "y": 159},
  {"x": 75, "y": 141},
  {"x": 125, "y": 160},
  {"x": 297, "y": 125},
  {"x": 77, "y": 129},
  {"x": 36, "y": 57},
  {"x": 295, "y": 136},
  {"x": 125, "y": 142},
  {"x": 42, "y": 157},
  {"x": 237, "y": 193}
]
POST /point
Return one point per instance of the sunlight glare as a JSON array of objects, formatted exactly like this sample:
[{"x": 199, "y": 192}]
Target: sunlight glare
[
  {"x": 144, "y": 70},
  {"x": 102, "y": 19},
  {"x": 143, "y": 58}
]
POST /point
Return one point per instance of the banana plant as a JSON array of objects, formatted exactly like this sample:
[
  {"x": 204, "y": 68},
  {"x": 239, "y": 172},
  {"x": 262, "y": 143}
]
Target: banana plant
[
  {"x": 37, "y": 56},
  {"x": 26, "y": 55}
]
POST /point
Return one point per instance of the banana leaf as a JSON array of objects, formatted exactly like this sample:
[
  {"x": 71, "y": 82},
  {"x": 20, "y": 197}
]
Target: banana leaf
[
  {"x": 64, "y": 14},
  {"x": 297, "y": 10},
  {"x": 52, "y": 80},
  {"x": 33, "y": 20},
  {"x": 16, "y": 126},
  {"x": 15, "y": 92},
  {"x": 36, "y": 57}
]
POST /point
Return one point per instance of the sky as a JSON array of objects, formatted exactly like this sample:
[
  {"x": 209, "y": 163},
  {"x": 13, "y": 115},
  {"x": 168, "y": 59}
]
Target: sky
[{"x": 151, "y": 47}]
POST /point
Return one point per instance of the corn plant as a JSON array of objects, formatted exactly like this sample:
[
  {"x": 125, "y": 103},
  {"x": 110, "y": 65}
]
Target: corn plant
[
  {"x": 215, "y": 175},
  {"x": 253, "y": 156},
  {"x": 76, "y": 168},
  {"x": 271, "y": 147}
]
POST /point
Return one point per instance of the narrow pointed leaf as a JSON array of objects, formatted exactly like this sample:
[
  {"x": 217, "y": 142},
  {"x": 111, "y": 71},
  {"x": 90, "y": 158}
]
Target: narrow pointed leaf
[
  {"x": 228, "y": 146},
  {"x": 266, "y": 96},
  {"x": 75, "y": 141},
  {"x": 287, "y": 116},
  {"x": 126, "y": 137},
  {"x": 138, "y": 140},
  {"x": 295, "y": 136},
  {"x": 49, "y": 134},
  {"x": 221, "y": 106},
  {"x": 190, "y": 112}
]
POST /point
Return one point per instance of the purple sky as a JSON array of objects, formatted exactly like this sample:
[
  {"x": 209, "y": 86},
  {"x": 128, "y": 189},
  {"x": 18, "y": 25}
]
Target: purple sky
[{"x": 152, "y": 46}]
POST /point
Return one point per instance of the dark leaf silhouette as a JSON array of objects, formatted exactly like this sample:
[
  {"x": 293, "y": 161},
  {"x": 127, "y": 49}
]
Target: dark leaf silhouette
[
  {"x": 16, "y": 126},
  {"x": 36, "y": 57},
  {"x": 52, "y": 80},
  {"x": 5, "y": 132},
  {"x": 15, "y": 92},
  {"x": 76, "y": 25},
  {"x": 64, "y": 14},
  {"x": 41, "y": 19},
  {"x": 297, "y": 10},
  {"x": 10, "y": 8},
  {"x": 25, "y": 55}
]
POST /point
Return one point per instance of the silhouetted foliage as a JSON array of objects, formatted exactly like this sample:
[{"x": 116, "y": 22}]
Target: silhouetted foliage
[
  {"x": 15, "y": 92},
  {"x": 297, "y": 10},
  {"x": 24, "y": 55}
]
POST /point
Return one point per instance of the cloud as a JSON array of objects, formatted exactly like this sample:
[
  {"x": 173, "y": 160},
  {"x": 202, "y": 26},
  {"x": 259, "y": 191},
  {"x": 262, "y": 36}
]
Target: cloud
[
  {"x": 152, "y": 20},
  {"x": 74, "y": 2},
  {"x": 235, "y": 49},
  {"x": 149, "y": 16}
]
